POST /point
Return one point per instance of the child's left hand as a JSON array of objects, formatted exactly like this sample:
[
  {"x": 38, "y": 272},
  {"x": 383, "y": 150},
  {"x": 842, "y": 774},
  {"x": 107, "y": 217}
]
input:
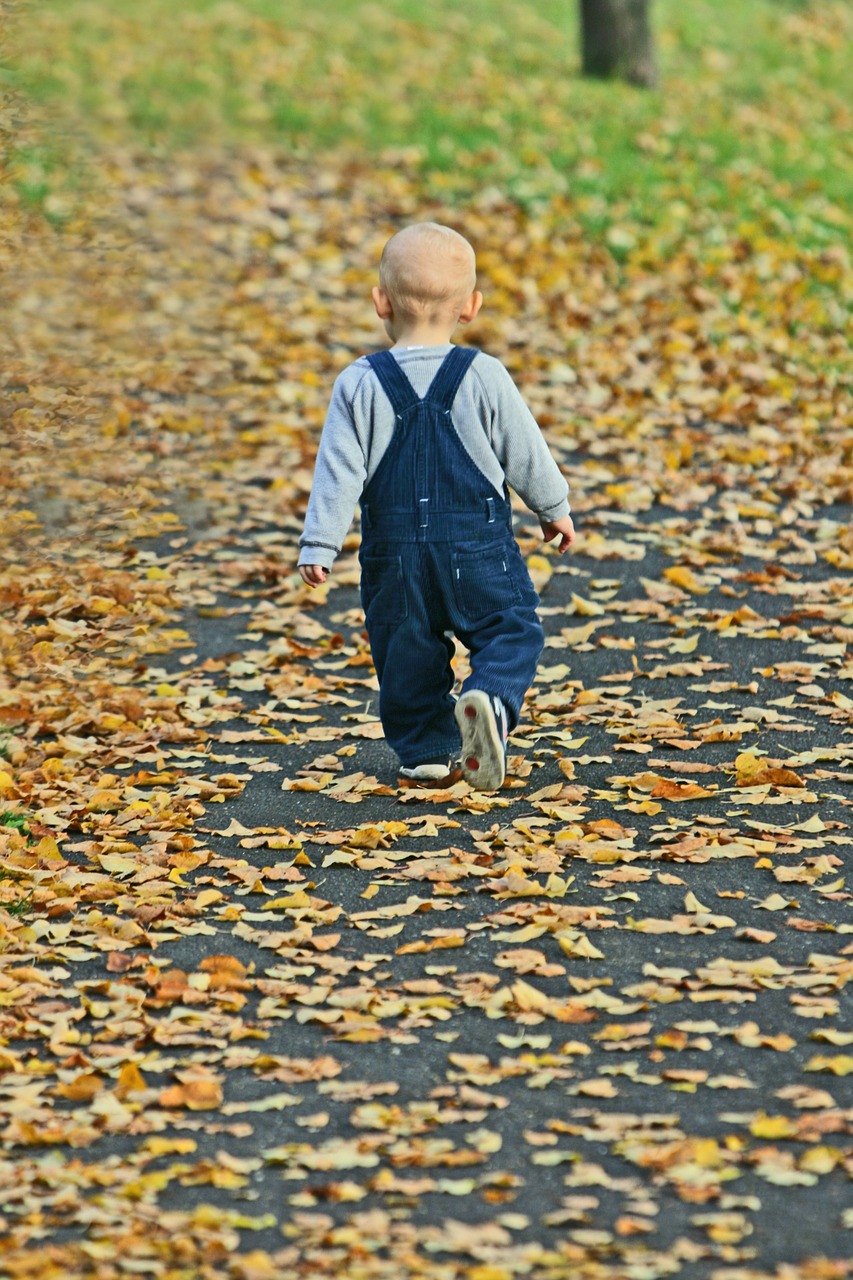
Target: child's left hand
[
  {"x": 312, "y": 574},
  {"x": 563, "y": 529}
]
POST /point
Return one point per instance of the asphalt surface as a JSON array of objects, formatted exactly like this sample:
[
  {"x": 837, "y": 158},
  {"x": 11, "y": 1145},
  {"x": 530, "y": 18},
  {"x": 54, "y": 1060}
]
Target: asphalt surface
[
  {"x": 595, "y": 1025},
  {"x": 587, "y": 1135}
]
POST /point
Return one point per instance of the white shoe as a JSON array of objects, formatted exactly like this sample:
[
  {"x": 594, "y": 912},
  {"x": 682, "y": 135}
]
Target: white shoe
[
  {"x": 432, "y": 771},
  {"x": 483, "y": 724}
]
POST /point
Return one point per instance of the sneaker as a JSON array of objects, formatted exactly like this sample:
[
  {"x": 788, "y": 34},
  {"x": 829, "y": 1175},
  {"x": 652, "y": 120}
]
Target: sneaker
[
  {"x": 483, "y": 724},
  {"x": 427, "y": 771}
]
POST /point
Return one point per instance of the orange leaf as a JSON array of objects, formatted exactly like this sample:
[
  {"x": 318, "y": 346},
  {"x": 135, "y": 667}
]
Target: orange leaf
[
  {"x": 668, "y": 790},
  {"x": 195, "y": 1095}
]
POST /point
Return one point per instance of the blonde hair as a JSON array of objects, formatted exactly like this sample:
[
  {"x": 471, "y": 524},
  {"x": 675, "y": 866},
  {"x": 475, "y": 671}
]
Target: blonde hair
[{"x": 427, "y": 270}]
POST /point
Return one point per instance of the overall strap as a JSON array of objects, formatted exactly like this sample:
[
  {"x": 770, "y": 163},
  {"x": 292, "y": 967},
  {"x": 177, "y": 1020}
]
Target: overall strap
[
  {"x": 446, "y": 382},
  {"x": 394, "y": 382}
]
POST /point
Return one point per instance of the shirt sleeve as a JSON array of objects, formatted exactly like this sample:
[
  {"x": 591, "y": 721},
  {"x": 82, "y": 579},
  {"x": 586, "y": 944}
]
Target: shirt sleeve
[
  {"x": 339, "y": 477},
  {"x": 520, "y": 447}
]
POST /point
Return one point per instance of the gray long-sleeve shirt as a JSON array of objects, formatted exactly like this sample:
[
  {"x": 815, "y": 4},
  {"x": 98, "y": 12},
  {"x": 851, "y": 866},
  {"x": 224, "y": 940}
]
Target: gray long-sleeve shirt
[{"x": 493, "y": 423}]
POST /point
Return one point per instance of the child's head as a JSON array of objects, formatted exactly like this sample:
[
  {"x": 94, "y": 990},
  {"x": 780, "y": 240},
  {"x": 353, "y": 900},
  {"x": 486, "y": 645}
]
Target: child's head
[{"x": 427, "y": 278}]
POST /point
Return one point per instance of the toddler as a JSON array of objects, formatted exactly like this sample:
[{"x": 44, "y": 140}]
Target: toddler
[{"x": 426, "y": 437}]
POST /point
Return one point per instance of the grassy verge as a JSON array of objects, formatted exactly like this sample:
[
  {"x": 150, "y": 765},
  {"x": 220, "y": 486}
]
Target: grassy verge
[{"x": 753, "y": 110}]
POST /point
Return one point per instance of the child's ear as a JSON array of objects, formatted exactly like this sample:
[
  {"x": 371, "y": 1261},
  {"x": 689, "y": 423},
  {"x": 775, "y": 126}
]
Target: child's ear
[
  {"x": 472, "y": 306},
  {"x": 382, "y": 303}
]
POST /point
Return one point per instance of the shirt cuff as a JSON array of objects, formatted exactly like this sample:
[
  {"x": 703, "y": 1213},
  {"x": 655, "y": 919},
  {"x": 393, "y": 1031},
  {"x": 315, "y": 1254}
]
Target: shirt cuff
[
  {"x": 317, "y": 553},
  {"x": 559, "y": 512}
]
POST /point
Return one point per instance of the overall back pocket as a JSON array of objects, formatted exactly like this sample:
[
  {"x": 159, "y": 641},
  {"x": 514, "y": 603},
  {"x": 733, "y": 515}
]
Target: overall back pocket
[{"x": 486, "y": 581}]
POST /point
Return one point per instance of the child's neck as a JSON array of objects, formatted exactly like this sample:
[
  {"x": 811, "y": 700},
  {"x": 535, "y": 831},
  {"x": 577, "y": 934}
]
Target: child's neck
[{"x": 423, "y": 336}]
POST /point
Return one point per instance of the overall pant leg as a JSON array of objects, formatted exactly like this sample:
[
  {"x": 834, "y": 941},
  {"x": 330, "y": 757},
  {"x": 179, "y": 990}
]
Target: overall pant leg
[
  {"x": 411, "y": 654},
  {"x": 495, "y": 606}
]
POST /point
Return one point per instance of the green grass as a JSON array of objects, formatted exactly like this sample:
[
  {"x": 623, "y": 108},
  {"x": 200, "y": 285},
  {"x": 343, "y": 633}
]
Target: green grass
[
  {"x": 21, "y": 905},
  {"x": 16, "y": 906},
  {"x": 753, "y": 108},
  {"x": 17, "y": 821}
]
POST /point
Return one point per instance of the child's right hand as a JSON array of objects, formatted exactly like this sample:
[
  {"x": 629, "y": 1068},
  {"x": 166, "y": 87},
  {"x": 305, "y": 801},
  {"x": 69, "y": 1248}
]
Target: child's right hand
[{"x": 312, "y": 574}]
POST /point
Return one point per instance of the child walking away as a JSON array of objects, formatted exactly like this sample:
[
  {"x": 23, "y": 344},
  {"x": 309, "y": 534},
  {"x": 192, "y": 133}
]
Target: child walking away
[{"x": 427, "y": 437}]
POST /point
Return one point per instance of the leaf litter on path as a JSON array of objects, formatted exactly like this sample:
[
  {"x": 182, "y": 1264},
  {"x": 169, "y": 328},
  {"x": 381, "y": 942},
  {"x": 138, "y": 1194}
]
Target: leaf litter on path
[{"x": 263, "y": 1010}]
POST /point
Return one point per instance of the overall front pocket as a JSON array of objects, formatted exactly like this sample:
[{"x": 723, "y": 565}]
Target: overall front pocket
[{"x": 383, "y": 593}]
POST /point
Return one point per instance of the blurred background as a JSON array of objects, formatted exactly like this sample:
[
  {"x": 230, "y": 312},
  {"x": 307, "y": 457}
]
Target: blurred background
[
  {"x": 196, "y": 196},
  {"x": 751, "y": 115}
]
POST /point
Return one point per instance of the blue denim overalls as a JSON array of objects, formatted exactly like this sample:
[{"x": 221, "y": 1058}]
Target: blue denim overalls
[{"x": 438, "y": 558}]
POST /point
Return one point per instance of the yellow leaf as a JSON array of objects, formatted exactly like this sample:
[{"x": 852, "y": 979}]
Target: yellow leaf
[
  {"x": 207, "y": 897},
  {"x": 578, "y": 635},
  {"x": 298, "y": 899},
  {"x": 841, "y": 1064},
  {"x": 585, "y": 949},
  {"x": 587, "y": 608},
  {"x": 130, "y": 1080},
  {"x": 684, "y": 577},
  {"x": 540, "y": 570},
  {"x": 687, "y": 645},
  {"x": 820, "y": 1159},
  {"x": 117, "y": 865},
  {"x": 650, "y": 807},
  {"x": 747, "y": 763},
  {"x": 170, "y": 1146},
  {"x": 600, "y": 1087},
  {"x": 528, "y": 998},
  {"x": 772, "y": 1127},
  {"x": 109, "y": 723},
  {"x": 487, "y": 1141},
  {"x": 775, "y": 902},
  {"x": 555, "y": 886},
  {"x": 258, "y": 1265},
  {"x": 812, "y": 825},
  {"x": 101, "y": 605},
  {"x": 706, "y": 1153},
  {"x": 435, "y": 944},
  {"x": 104, "y": 801}
]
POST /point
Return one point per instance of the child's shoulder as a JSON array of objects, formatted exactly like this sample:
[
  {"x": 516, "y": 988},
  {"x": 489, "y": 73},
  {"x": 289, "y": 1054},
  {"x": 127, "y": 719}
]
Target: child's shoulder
[
  {"x": 350, "y": 378},
  {"x": 492, "y": 374},
  {"x": 489, "y": 366}
]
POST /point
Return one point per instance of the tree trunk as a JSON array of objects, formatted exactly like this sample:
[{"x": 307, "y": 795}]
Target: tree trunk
[{"x": 616, "y": 40}]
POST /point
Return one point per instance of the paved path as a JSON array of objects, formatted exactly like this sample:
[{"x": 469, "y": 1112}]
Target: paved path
[{"x": 595, "y": 1025}]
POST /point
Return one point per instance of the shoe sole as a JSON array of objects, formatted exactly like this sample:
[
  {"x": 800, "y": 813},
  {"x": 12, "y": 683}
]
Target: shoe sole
[
  {"x": 483, "y": 755},
  {"x": 427, "y": 773}
]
